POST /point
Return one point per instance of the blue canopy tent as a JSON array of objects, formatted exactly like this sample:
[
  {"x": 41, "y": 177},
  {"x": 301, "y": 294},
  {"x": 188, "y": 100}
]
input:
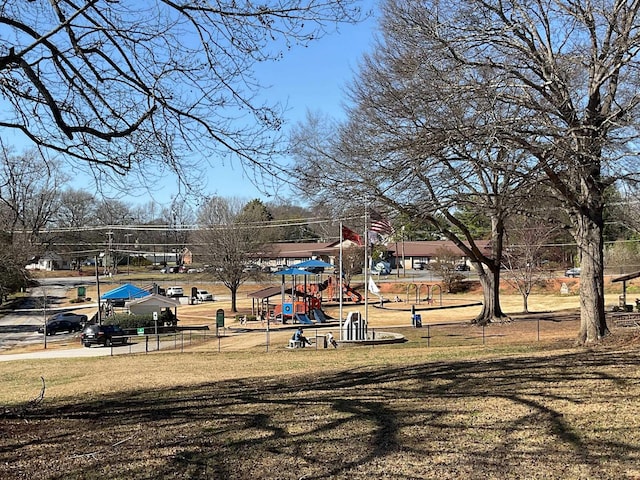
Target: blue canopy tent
[
  {"x": 117, "y": 296},
  {"x": 313, "y": 263},
  {"x": 292, "y": 271}
]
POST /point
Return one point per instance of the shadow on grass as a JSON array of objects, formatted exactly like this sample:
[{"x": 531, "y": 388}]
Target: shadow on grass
[{"x": 551, "y": 416}]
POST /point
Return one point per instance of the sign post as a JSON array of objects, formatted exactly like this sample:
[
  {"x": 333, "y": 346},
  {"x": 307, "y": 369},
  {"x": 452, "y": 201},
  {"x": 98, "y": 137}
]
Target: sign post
[
  {"x": 155, "y": 321},
  {"x": 219, "y": 324}
]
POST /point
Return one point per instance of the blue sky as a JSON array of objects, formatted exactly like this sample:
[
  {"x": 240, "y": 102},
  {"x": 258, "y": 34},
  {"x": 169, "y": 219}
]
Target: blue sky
[{"x": 309, "y": 78}]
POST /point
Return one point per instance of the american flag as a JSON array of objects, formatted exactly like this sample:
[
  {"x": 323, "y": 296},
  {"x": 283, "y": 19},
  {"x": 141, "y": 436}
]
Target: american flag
[{"x": 380, "y": 225}]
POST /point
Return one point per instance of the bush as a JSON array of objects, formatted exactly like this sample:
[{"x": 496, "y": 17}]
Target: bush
[
  {"x": 455, "y": 283},
  {"x": 127, "y": 321}
]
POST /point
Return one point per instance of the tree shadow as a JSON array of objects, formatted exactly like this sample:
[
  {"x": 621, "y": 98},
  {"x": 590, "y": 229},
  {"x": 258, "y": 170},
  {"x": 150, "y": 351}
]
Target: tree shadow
[{"x": 485, "y": 418}]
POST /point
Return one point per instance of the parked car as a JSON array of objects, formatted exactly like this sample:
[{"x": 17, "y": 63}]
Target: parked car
[
  {"x": 106, "y": 335},
  {"x": 204, "y": 296},
  {"x": 57, "y": 326},
  {"x": 70, "y": 316},
  {"x": 572, "y": 272},
  {"x": 314, "y": 269},
  {"x": 462, "y": 267},
  {"x": 418, "y": 265},
  {"x": 251, "y": 268},
  {"x": 174, "y": 292}
]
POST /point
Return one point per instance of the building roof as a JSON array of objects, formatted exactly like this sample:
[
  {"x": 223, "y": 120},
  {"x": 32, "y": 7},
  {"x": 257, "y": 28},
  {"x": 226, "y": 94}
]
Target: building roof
[
  {"x": 431, "y": 248},
  {"x": 294, "y": 250}
]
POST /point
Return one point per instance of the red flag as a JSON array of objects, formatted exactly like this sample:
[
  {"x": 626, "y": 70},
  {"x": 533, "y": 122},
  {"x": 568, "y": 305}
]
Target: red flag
[{"x": 348, "y": 234}]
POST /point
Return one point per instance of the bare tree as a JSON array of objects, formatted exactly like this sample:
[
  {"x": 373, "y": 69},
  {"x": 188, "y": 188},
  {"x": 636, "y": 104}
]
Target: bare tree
[
  {"x": 228, "y": 239},
  {"x": 524, "y": 257},
  {"x": 28, "y": 194},
  {"x": 128, "y": 83},
  {"x": 562, "y": 78},
  {"x": 568, "y": 72},
  {"x": 445, "y": 267},
  {"x": 352, "y": 262},
  {"x": 427, "y": 173},
  {"x": 75, "y": 215}
]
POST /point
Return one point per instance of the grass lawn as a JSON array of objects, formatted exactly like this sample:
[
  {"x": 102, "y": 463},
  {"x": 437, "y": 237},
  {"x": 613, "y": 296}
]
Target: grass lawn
[{"x": 513, "y": 407}]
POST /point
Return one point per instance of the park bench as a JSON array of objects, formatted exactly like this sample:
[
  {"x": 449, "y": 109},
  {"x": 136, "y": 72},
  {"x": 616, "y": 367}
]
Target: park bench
[
  {"x": 622, "y": 320},
  {"x": 295, "y": 343}
]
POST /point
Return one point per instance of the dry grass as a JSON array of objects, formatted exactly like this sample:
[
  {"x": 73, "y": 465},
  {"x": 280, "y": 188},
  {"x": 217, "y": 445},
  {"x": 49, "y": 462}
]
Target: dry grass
[
  {"x": 510, "y": 407},
  {"x": 383, "y": 412}
]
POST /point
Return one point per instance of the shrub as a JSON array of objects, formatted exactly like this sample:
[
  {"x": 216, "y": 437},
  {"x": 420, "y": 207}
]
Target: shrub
[{"x": 126, "y": 320}]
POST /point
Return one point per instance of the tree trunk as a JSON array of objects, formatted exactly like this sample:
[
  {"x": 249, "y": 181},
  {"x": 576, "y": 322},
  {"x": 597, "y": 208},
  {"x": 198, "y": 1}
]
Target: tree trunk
[
  {"x": 588, "y": 235},
  {"x": 491, "y": 310},
  {"x": 525, "y": 302},
  {"x": 234, "y": 296}
]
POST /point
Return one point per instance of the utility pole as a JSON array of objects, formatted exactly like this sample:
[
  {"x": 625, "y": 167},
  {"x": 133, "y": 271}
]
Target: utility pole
[
  {"x": 109, "y": 256},
  {"x": 127, "y": 251}
]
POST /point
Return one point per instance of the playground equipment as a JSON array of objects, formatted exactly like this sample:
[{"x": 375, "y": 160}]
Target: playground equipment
[
  {"x": 431, "y": 292},
  {"x": 415, "y": 291},
  {"x": 332, "y": 289}
]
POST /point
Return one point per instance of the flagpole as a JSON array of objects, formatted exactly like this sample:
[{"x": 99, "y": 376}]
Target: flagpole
[
  {"x": 404, "y": 271},
  {"x": 340, "y": 284},
  {"x": 366, "y": 265}
]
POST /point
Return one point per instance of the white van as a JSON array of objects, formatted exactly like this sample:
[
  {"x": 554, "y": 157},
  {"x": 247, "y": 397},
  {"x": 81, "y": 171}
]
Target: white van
[
  {"x": 204, "y": 296},
  {"x": 175, "y": 292}
]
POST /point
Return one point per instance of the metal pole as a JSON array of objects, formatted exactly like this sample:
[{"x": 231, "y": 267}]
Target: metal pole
[
  {"x": 44, "y": 310},
  {"x": 404, "y": 272},
  {"x": 340, "y": 282},
  {"x": 366, "y": 265},
  {"x": 98, "y": 286},
  {"x": 267, "y": 339}
]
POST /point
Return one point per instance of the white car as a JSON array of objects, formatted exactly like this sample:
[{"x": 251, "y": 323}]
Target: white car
[
  {"x": 572, "y": 272},
  {"x": 174, "y": 292},
  {"x": 204, "y": 296}
]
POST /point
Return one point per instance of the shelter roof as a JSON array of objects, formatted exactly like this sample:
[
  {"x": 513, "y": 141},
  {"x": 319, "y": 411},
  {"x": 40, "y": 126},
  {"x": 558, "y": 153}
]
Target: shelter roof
[
  {"x": 628, "y": 276},
  {"x": 266, "y": 292}
]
